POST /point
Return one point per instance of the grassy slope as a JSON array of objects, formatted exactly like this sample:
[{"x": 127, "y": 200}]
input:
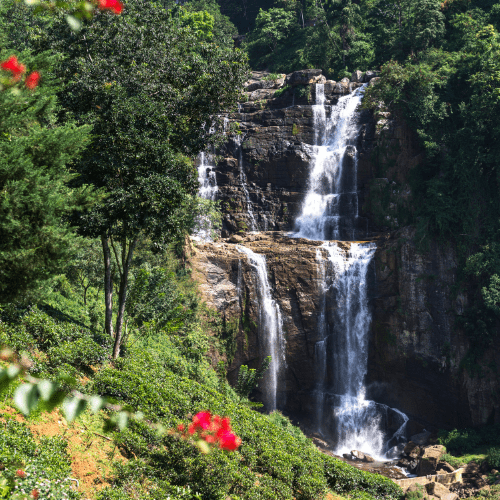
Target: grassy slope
[{"x": 169, "y": 378}]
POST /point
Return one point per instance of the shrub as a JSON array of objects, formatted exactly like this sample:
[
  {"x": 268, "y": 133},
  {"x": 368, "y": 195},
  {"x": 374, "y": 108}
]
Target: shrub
[
  {"x": 459, "y": 442},
  {"x": 342, "y": 478},
  {"x": 62, "y": 342},
  {"x": 271, "y": 77},
  {"x": 303, "y": 91},
  {"x": 281, "y": 91},
  {"x": 45, "y": 464},
  {"x": 493, "y": 457}
]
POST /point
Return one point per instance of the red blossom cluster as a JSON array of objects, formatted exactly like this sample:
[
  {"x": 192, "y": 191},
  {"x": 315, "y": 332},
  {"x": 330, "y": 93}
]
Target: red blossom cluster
[
  {"x": 213, "y": 430},
  {"x": 20, "y": 473},
  {"x": 17, "y": 70},
  {"x": 114, "y": 6},
  {"x": 35, "y": 494}
]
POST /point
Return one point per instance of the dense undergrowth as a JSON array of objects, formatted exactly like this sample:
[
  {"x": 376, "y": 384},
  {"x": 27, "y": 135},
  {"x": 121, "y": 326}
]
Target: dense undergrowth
[{"x": 168, "y": 377}]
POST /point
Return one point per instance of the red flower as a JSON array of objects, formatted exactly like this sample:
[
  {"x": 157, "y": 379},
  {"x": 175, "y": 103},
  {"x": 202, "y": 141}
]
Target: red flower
[
  {"x": 113, "y": 5},
  {"x": 202, "y": 420},
  {"x": 20, "y": 473},
  {"x": 229, "y": 441},
  {"x": 14, "y": 66},
  {"x": 191, "y": 429},
  {"x": 32, "y": 80},
  {"x": 181, "y": 427},
  {"x": 35, "y": 494}
]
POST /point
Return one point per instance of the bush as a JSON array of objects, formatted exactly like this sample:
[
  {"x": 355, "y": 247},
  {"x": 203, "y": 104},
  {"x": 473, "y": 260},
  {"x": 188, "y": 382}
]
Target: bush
[
  {"x": 342, "y": 478},
  {"x": 466, "y": 441},
  {"x": 36, "y": 332},
  {"x": 282, "y": 90},
  {"x": 45, "y": 463},
  {"x": 459, "y": 442},
  {"x": 493, "y": 457}
]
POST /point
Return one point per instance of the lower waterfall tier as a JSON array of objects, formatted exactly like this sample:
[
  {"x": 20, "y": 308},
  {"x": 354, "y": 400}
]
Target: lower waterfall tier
[{"x": 411, "y": 325}]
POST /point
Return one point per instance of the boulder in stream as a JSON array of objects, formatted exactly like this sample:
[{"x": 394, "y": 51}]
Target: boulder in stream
[{"x": 363, "y": 457}]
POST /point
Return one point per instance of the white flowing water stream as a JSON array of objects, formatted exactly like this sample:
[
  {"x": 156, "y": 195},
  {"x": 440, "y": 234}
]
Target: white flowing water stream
[
  {"x": 270, "y": 329},
  {"x": 207, "y": 190},
  {"x": 330, "y": 212}
]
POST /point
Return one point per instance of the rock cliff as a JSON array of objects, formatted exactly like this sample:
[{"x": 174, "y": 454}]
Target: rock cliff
[
  {"x": 270, "y": 150},
  {"x": 416, "y": 345}
]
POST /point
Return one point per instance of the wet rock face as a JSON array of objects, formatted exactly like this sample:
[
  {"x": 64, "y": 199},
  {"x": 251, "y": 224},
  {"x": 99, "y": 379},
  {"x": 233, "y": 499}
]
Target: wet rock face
[
  {"x": 228, "y": 283},
  {"x": 417, "y": 345},
  {"x": 271, "y": 139}
]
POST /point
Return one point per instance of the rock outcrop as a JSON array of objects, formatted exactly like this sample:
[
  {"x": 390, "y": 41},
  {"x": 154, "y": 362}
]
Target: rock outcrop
[
  {"x": 416, "y": 346},
  {"x": 270, "y": 141}
]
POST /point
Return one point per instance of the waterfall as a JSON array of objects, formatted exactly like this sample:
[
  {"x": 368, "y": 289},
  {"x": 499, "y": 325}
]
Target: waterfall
[
  {"x": 243, "y": 181},
  {"x": 330, "y": 208},
  {"x": 330, "y": 212},
  {"x": 207, "y": 190},
  {"x": 270, "y": 329},
  {"x": 206, "y": 178}
]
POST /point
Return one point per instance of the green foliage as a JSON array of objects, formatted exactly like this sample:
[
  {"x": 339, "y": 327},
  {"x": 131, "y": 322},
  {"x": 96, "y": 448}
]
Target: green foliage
[
  {"x": 35, "y": 151},
  {"x": 450, "y": 97},
  {"x": 342, "y": 478},
  {"x": 494, "y": 457},
  {"x": 303, "y": 92},
  {"x": 466, "y": 441},
  {"x": 281, "y": 91},
  {"x": 415, "y": 495},
  {"x": 248, "y": 378},
  {"x": 271, "y": 77},
  {"x": 46, "y": 463},
  {"x": 200, "y": 22},
  {"x": 34, "y": 332}
]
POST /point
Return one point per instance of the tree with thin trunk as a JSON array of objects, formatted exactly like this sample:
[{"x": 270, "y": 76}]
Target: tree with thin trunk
[{"x": 152, "y": 89}]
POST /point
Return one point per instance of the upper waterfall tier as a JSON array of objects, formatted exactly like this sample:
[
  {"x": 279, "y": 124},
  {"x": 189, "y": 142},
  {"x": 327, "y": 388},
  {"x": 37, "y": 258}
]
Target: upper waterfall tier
[
  {"x": 330, "y": 208},
  {"x": 263, "y": 174}
]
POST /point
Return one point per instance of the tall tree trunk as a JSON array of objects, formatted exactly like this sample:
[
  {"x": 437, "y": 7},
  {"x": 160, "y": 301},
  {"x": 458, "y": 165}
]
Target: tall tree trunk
[
  {"x": 122, "y": 294},
  {"x": 108, "y": 286}
]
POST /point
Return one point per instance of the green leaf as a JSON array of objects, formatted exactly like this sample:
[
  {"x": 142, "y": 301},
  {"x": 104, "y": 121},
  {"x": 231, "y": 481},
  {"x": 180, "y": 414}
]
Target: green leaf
[
  {"x": 13, "y": 371},
  {"x": 74, "y": 23},
  {"x": 46, "y": 388},
  {"x": 96, "y": 403},
  {"x": 73, "y": 407},
  {"x": 26, "y": 398},
  {"x": 122, "y": 420}
]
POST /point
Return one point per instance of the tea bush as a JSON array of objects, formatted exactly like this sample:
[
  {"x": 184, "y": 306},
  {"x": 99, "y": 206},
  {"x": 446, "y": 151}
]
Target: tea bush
[
  {"x": 45, "y": 463},
  {"x": 342, "y": 478},
  {"x": 275, "y": 461},
  {"x": 34, "y": 332}
]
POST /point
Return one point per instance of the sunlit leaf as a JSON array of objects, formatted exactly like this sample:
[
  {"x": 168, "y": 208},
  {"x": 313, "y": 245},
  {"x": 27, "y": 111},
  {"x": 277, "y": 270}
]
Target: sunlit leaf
[{"x": 26, "y": 398}]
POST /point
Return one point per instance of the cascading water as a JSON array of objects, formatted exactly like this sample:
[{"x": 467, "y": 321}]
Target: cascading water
[
  {"x": 330, "y": 212},
  {"x": 243, "y": 181},
  {"x": 208, "y": 190},
  {"x": 206, "y": 178},
  {"x": 270, "y": 329},
  {"x": 330, "y": 208}
]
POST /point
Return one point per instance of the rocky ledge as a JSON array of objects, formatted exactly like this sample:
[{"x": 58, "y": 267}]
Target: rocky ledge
[{"x": 265, "y": 163}]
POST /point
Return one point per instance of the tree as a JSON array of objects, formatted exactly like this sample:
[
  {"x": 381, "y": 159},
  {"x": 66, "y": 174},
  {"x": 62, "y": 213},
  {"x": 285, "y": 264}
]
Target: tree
[
  {"x": 35, "y": 152},
  {"x": 152, "y": 90}
]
